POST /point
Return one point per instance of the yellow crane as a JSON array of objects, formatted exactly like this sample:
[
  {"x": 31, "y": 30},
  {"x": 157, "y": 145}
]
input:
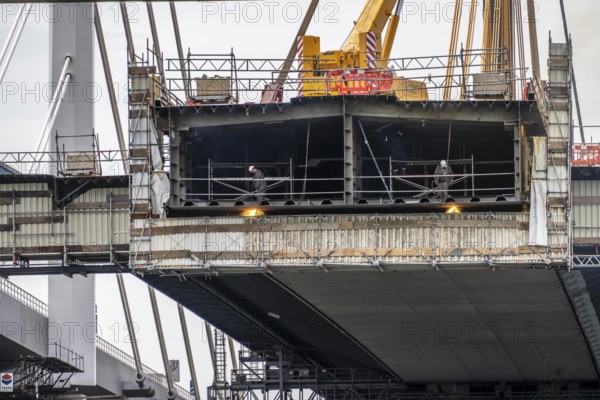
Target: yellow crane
[{"x": 359, "y": 67}]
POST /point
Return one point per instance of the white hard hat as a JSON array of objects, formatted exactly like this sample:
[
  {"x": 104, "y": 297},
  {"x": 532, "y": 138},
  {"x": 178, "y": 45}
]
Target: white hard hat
[
  {"x": 250, "y": 168},
  {"x": 443, "y": 163}
]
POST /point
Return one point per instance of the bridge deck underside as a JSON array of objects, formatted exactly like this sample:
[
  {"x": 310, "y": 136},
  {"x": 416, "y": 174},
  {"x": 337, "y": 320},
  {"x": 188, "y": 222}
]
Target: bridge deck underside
[
  {"x": 457, "y": 326},
  {"x": 11, "y": 352}
]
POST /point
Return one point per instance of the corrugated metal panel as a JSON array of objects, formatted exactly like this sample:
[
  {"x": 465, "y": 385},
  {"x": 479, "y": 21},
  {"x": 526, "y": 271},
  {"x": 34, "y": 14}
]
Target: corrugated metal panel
[
  {"x": 586, "y": 188},
  {"x": 100, "y": 195},
  {"x": 84, "y": 227},
  {"x": 27, "y": 235},
  {"x": 94, "y": 228},
  {"x": 586, "y": 217}
]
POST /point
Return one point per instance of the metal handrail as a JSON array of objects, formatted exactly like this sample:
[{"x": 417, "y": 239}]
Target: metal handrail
[
  {"x": 252, "y": 76},
  {"x": 24, "y": 162},
  {"x": 228, "y": 181},
  {"x": 67, "y": 355},
  {"x": 23, "y": 297},
  {"x": 128, "y": 360}
]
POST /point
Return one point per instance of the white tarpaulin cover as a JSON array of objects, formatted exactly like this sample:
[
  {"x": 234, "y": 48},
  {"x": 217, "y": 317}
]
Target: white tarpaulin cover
[
  {"x": 538, "y": 222},
  {"x": 157, "y": 162},
  {"x": 161, "y": 191},
  {"x": 540, "y": 154}
]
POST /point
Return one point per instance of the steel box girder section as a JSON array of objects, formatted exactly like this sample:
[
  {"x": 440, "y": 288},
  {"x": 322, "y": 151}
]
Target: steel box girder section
[
  {"x": 190, "y": 117},
  {"x": 216, "y": 270},
  {"x": 70, "y": 270},
  {"x": 222, "y": 116}
]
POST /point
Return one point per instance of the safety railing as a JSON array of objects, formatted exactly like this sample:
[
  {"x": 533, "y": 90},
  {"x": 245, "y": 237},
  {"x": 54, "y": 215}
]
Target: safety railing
[
  {"x": 391, "y": 185},
  {"x": 128, "y": 360},
  {"x": 224, "y": 79},
  {"x": 23, "y": 297},
  {"x": 66, "y": 355},
  {"x": 301, "y": 375},
  {"x": 110, "y": 162}
]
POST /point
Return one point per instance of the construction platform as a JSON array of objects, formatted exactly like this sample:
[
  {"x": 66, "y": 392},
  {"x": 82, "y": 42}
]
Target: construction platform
[{"x": 345, "y": 151}]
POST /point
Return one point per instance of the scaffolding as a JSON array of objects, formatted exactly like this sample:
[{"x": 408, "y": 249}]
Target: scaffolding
[
  {"x": 247, "y": 80},
  {"x": 47, "y": 377},
  {"x": 86, "y": 163},
  {"x": 285, "y": 184}
]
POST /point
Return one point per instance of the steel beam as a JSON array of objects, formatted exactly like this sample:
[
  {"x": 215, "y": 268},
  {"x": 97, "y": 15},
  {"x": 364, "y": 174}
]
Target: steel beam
[
  {"x": 128, "y": 35},
  {"x": 171, "y": 394},
  {"x": 184, "y": 75},
  {"x": 13, "y": 39},
  {"x": 130, "y": 328},
  {"x": 533, "y": 39},
  {"x": 349, "y": 158},
  {"x": 188, "y": 351},
  {"x": 155, "y": 39},
  {"x": 287, "y": 65},
  {"x": 517, "y": 161},
  {"x": 467, "y": 112}
]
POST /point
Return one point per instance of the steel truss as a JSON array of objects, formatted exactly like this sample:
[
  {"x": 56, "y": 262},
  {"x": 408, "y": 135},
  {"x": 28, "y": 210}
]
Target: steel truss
[
  {"x": 40, "y": 162},
  {"x": 249, "y": 77},
  {"x": 586, "y": 261}
]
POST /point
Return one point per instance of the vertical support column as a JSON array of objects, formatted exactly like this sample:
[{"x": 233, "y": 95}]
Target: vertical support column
[
  {"x": 175, "y": 168},
  {"x": 349, "y": 170},
  {"x": 72, "y": 34},
  {"x": 188, "y": 351},
  {"x": 517, "y": 160},
  {"x": 71, "y": 301},
  {"x": 559, "y": 145},
  {"x": 72, "y": 313},
  {"x": 171, "y": 393},
  {"x": 533, "y": 39}
]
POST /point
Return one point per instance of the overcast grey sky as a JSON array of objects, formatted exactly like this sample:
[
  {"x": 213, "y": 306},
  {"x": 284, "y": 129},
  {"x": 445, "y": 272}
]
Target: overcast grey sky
[
  {"x": 254, "y": 29},
  {"x": 259, "y": 29}
]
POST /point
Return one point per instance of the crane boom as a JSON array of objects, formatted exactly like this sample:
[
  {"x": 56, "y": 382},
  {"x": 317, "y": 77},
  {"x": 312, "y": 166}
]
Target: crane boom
[
  {"x": 373, "y": 18},
  {"x": 390, "y": 34}
]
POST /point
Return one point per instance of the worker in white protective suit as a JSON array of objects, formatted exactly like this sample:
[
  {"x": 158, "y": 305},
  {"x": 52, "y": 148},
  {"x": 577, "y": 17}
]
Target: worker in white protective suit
[
  {"x": 443, "y": 178},
  {"x": 260, "y": 183}
]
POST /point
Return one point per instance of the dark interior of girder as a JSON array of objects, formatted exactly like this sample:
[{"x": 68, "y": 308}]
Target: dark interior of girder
[{"x": 400, "y": 152}]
